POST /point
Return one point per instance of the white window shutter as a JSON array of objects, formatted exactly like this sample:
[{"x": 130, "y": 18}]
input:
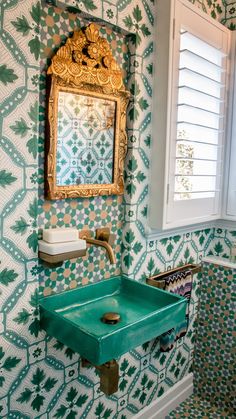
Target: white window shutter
[{"x": 195, "y": 161}]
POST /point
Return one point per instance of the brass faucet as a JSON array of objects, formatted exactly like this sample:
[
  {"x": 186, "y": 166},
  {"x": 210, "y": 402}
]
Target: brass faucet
[{"x": 103, "y": 239}]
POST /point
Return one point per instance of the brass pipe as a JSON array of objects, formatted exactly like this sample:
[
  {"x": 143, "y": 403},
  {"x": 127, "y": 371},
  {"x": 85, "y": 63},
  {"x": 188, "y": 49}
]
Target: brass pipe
[
  {"x": 101, "y": 243},
  {"x": 109, "y": 375}
]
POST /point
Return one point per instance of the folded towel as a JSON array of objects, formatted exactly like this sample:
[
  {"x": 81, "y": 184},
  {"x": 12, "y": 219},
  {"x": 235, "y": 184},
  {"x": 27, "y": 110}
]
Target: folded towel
[{"x": 178, "y": 283}]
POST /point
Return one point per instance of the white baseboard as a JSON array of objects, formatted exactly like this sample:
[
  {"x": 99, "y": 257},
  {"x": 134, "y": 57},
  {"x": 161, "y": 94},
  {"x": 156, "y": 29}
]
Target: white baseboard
[{"x": 160, "y": 407}]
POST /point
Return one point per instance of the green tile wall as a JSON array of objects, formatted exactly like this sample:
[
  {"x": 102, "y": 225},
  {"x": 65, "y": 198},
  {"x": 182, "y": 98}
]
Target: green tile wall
[
  {"x": 214, "y": 362},
  {"x": 90, "y": 213},
  {"x": 214, "y": 353},
  {"x": 198, "y": 408},
  {"x": 39, "y": 378}
]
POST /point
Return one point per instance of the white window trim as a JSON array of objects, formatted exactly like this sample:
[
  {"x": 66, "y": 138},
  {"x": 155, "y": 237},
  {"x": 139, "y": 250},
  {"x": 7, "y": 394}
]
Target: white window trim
[{"x": 230, "y": 156}]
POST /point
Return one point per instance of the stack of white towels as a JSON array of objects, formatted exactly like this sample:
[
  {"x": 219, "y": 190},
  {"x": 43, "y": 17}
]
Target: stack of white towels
[{"x": 61, "y": 240}]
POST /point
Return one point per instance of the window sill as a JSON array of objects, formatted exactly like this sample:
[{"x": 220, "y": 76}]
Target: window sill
[{"x": 154, "y": 234}]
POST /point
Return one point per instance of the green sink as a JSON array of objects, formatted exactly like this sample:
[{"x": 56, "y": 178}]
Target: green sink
[{"x": 74, "y": 317}]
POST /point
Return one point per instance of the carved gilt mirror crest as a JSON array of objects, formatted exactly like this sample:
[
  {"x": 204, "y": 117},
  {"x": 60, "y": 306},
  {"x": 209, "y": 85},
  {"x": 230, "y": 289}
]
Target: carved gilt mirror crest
[{"x": 86, "y": 119}]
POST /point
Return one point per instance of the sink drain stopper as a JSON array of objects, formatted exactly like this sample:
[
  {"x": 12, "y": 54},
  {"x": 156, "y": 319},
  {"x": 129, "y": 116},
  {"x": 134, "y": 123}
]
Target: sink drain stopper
[{"x": 110, "y": 318}]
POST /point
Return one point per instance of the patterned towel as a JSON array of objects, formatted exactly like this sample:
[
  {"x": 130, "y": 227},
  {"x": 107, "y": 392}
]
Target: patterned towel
[{"x": 178, "y": 283}]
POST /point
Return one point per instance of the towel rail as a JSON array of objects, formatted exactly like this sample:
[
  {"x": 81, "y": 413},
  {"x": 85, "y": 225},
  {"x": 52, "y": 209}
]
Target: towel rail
[{"x": 159, "y": 279}]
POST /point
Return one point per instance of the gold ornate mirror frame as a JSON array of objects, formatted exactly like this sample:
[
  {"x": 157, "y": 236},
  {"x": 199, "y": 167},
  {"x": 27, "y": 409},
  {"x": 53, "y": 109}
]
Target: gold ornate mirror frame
[{"x": 85, "y": 66}]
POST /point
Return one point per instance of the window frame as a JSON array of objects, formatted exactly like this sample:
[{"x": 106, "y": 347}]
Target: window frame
[
  {"x": 161, "y": 214},
  {"x": 229, "y": 196}
]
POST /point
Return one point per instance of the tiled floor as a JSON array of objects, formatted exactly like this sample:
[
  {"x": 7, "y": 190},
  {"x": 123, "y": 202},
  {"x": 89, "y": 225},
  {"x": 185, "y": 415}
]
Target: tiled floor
[{"x": 196, "y": 408}]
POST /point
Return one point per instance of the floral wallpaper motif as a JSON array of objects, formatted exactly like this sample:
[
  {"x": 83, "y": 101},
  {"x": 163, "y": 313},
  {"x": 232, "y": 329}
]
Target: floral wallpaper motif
[{"x": 39, "y": 377}]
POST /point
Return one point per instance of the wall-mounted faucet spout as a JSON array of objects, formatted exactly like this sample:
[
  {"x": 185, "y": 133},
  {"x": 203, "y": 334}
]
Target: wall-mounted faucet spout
[
  {"x": 103, "y": 239},
  {"x": 106, "y": 246}
]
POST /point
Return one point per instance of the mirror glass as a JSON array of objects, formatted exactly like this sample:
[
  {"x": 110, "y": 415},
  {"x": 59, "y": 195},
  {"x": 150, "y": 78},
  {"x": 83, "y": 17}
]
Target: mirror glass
[{"x": 85, "y": 139}]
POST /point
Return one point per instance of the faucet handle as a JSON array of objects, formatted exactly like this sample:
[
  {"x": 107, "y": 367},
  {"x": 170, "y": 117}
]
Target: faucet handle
[{"x": 104, "y": 234}]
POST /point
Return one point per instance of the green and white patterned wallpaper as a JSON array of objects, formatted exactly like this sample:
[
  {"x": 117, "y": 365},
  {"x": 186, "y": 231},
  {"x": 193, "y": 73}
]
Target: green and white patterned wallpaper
[
  {"x": 19, "y": 75},
  {"x": 39, "y": 377}
]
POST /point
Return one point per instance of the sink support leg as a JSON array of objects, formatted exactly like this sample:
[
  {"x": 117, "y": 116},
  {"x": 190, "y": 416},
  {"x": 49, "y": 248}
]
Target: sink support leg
[{"x": 109, "y": 376}]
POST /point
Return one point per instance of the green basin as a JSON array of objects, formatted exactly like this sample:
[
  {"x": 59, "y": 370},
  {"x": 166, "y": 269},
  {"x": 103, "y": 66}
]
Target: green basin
[{"x": 74, "y": 317}]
